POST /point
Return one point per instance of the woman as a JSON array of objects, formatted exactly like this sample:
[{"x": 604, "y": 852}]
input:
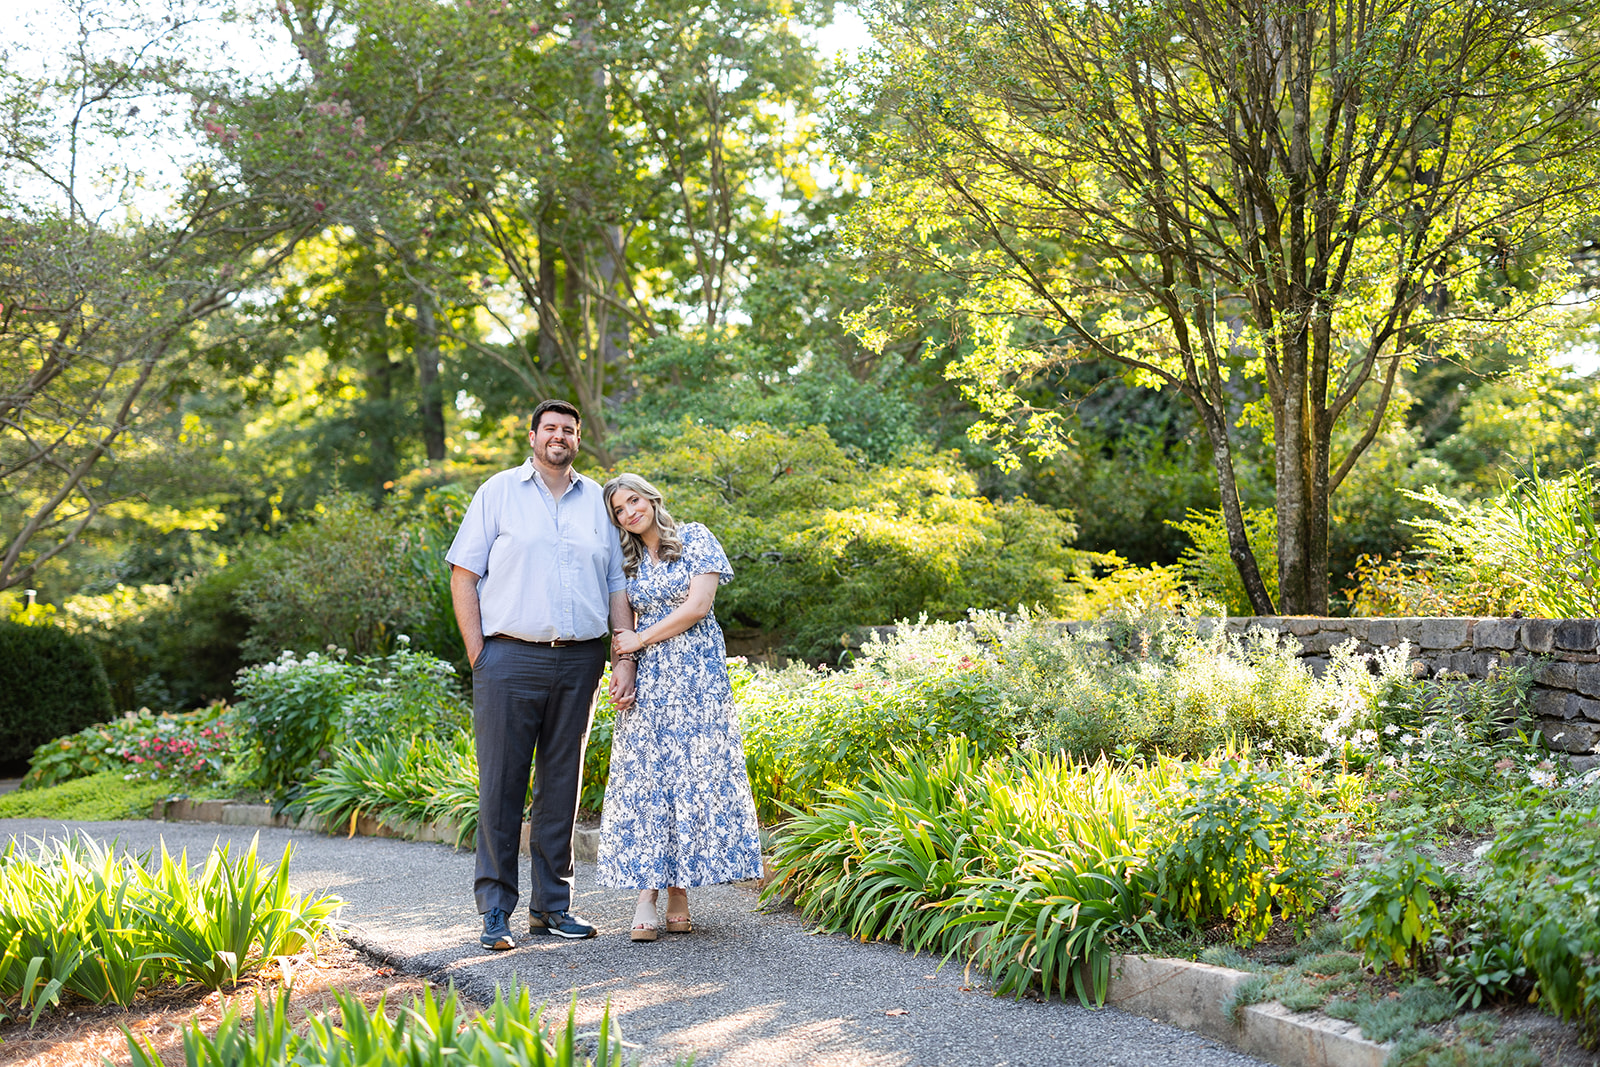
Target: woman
[{"x": 678, "y": 811}]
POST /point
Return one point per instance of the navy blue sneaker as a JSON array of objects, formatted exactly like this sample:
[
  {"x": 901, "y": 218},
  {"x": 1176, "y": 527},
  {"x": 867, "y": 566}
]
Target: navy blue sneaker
[
  {"x": 559, "y": 923},
  {"x": 496, "y": 931}
]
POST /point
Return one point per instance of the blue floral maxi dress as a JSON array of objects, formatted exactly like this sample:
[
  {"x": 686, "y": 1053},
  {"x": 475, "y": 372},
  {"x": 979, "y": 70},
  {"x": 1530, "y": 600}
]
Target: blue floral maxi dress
[{"x": 678, "y": 809}]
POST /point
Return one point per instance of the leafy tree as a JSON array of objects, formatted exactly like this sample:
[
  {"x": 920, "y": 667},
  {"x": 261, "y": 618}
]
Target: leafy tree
[
  {"x": 1312, "y": 196},
  {"x": 824, "y": 543},
  {"x": 101, "y": 306}
]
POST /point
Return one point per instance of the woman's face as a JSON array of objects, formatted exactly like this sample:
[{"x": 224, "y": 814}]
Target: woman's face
[{"x": 633, "y": 512}]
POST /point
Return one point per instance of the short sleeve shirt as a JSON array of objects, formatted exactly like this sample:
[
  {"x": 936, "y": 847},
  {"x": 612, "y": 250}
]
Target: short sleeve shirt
[{"x": 546, "y": 567}]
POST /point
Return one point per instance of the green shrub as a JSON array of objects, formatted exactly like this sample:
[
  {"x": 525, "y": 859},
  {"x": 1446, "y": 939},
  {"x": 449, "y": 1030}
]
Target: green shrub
[
  {"x": 292, "y": 714},
  {"x": 1534, "y": 548},
  {"x": 288, "y": 715},
  {"x": 430, "y": 526},
  {"x": 509, "y": 1034},
  {"x": 1209, "y": 567},
  {"x": 433, "y": 776},
  {"x": 1239, "y": 843},
  {"x": 405, "y": 694},
  {"x": 51, "y": 684},
  {"x": 340, "y": 578},
  {"x": 805, "y": 729},
  {"x": 1389, "y": 907},
  {"x": 824, "y": 542},
  {"x": 1542, "y": 895},
  {"x": 166, "y": 647},
  {"x": 190, "y": 748},
  {"x": 76, "y": 917},
  {"x": 1158, "y": 683}
]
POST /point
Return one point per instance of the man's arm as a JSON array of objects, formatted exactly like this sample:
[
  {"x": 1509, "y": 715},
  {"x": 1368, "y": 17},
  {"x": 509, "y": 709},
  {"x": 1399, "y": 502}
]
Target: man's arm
[
  {"x": 623, "y": 672},
  {"x": 464, "y": 595}
]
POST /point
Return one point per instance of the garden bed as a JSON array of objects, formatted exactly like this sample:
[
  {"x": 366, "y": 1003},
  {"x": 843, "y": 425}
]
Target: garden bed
[{"x": 81, "y": 1033}]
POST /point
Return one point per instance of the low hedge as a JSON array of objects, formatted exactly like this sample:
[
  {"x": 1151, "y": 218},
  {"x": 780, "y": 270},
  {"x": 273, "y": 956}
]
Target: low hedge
[{"x": 51, "y": 684}]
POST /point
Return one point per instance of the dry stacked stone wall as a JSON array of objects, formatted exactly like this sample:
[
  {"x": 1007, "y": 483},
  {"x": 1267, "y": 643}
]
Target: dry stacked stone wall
[{"x": 1564, "y": 655}]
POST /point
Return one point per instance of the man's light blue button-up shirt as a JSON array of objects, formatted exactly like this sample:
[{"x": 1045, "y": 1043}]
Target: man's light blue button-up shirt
[{"x": 546, "y": 567}]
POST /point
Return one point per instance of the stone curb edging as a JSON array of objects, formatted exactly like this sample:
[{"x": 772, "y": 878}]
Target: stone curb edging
[
  {"x": 1189, "y": 995},
  {"x": 1194, "y": 996}
]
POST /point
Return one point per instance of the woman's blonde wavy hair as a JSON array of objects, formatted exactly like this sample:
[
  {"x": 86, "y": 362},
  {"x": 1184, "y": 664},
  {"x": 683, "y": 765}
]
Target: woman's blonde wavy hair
[{"x": 633, "y": 550}]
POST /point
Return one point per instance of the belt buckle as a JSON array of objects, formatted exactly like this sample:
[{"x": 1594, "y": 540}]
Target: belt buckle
[{"x": 558, "y": 643}]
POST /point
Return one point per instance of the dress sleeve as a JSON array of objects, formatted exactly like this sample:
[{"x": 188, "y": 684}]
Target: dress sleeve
[{"x": 704, "y": 554}]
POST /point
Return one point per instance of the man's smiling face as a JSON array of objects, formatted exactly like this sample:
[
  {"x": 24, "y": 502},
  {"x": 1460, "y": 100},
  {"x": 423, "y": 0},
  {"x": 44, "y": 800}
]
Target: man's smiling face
[{"x": 555, "y": 439}]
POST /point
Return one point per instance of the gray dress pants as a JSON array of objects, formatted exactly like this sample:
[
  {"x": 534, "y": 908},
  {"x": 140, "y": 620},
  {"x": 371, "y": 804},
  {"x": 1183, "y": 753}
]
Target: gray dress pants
[{"x": 529, "y": 699}]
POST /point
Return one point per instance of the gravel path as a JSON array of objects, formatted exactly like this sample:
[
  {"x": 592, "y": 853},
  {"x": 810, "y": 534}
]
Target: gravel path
[{"x": 746, "y": 989}]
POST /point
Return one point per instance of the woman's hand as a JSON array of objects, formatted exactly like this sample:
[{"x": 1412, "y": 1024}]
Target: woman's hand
[
  {"x": 621, "y": 688},
  {"x": 624, "y": 642}
]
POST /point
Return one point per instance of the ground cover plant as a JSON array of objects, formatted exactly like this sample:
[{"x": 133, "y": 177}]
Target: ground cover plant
[
  {"x": 78, "y": 918},
  {"x": 107, "y": 795}
]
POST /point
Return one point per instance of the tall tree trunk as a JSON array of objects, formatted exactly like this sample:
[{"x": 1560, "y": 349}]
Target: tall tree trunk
[
  {"x": 380, "y": 421},
  {"x": 431, "y": 406},
  {"x": 1244, "y": 560}
]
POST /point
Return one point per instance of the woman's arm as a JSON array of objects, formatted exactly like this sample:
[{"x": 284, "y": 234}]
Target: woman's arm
[
  {"x": 622, "y": 670},
  {"x": 702, "y": 593}
]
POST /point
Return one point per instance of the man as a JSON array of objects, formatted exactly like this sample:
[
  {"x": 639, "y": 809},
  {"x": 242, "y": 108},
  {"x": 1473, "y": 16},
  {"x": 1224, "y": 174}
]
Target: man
[{"x": 536, "y": 569}]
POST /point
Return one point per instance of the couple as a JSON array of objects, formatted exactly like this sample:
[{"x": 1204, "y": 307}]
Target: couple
[{"x": 543, "y": 560}]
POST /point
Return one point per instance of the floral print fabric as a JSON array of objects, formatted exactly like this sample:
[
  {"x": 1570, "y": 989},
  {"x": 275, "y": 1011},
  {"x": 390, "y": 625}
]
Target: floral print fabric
[{"x": 678, "y": 809}]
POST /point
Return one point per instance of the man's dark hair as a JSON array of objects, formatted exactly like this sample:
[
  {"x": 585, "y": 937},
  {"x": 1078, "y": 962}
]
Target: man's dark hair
[{"x": 560, "y": 406}]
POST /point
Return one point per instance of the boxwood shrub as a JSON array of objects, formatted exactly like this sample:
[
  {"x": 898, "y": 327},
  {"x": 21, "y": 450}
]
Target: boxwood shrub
[{"x": 51, "y": 683}]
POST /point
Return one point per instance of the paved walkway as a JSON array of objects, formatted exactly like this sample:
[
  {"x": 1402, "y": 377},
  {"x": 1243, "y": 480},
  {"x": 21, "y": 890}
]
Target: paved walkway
[{"x": 747, "y": 989}]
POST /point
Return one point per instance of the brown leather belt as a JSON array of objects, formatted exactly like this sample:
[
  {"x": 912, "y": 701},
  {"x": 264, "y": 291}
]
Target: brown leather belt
[{"x": 541, "y": 644}]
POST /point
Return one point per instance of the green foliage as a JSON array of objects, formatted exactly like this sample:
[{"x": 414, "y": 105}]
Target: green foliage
[
  {"x": 79, "y": 918},
  {"x": 1483, "y": 966},
  {"x": 342, "y": 577},
  {"x": 1389, "y": 907},
  {"x": 405, "y": 694},
  {"x": 1542, "y": 896},
  {"x": 400, "y": 780},
  {"x": 428, "y": 1031},
  {"x": 824, "y": 542},
  {"x": 1242, "y": 844},
  {"x": 291, "y": 713},
  {"x": 1028, "y": 863},
  {"x": 189, "y": 748},
  {"x": 1534, "y": 548},
  {"x": 431, "y": 525},
  {"x": 805, "y": 729},
  {"x": 99, "y": 797},
  {"x": 165, "y": 647},
  {"x": 1143, "y": 253},
  {"x": 1158, "y": 682},
  {"x": 432, "y": 775},
  {"x": 731, "y": 382},
  {"x": 51, "y": 683},
  {"x": 1208, "y": 566},
  {"x": 288, "y": 715}
]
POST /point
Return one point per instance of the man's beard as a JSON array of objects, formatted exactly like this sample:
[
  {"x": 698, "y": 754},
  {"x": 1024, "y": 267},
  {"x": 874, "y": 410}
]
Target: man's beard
[{"x": 551, "y": 461}]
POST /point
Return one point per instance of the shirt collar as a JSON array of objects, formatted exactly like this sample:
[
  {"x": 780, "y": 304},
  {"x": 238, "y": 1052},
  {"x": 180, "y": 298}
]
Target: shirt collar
[{"x": 574, "y": 479}]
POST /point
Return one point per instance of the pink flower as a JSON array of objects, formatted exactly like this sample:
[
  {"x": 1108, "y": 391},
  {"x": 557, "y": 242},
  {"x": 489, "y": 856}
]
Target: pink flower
[
  {"x": 318, "y": 205},
  {"x": 138, "y": 759}
]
